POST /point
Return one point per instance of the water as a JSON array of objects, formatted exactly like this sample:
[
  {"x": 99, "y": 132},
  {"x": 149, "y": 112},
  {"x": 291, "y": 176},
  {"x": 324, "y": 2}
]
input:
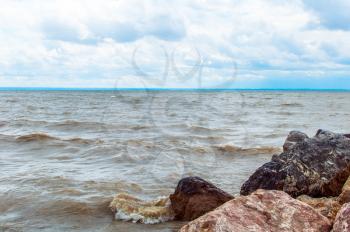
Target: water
[{"x": 65, "y": 154}]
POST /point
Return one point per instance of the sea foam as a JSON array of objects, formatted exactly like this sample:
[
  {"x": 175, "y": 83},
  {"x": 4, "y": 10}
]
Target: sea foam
[{"x": 128, "y": 208}]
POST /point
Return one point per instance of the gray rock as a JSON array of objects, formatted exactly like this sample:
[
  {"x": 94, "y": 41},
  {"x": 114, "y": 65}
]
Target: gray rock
[{"x": 317, "y": 166}]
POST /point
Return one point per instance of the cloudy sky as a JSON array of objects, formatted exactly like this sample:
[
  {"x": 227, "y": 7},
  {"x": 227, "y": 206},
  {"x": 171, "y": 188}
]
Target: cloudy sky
[{"x": 175, "y": 44}]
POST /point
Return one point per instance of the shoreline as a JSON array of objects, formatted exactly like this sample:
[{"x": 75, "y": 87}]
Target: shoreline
[{"x": 306, "y": 186}]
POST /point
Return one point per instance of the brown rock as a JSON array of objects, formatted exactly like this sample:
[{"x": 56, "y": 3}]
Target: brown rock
[
  {"x": 342, "y": 221},
  {"x": 328, "y": 207},
  {"x": 194, "y": 197},
  {"x": 344, "y": 197},
  {"x": 262, "y": 211},
  {"x": 317, "y": 166}
]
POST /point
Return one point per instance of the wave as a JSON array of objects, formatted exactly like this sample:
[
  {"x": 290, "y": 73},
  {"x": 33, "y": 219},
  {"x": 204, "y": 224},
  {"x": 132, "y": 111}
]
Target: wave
[
  {"x": 43, "y": 137},
  {"x": 203, "y": 129},
  {"x": 78, "y": 124},
  {"x": 25, "y": 122},
  {"x": 248, "y": 151},
  {"x": 199, "y": 128},
  {"x": 293, "y": 104},
  {"x": 66, "y": 207},
  {"x": 93, "y": 125},
  {"x": 13, "y": 100},
  {"x": 282, "y": 113},
  {"x": 83, "y": 141},
  {"x": 128, "y": 208},
  {"x": 140, "y": 127},
  {"x": 141, "y": 142},
  {"x": 36, "y": 137}
]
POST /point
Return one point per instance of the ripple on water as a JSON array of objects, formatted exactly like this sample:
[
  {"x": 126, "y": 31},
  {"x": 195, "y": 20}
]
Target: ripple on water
[
  {"x": 248, "y": 151},
  {"x": 92, "y": 147},
  {"x": 44, "y": 137}
]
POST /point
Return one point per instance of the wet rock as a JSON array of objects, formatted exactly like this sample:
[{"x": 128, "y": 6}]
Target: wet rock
[
  {"x": 328, "y": 207},
  {"x": 317, "y": 166},
  {"x": 194, "y": 197},
  {"x": 344, "y": 197},
  {"x": 293, "y": 138},
  {"x": 342, "y": 221},
  {"x": 262, "y": 211}
]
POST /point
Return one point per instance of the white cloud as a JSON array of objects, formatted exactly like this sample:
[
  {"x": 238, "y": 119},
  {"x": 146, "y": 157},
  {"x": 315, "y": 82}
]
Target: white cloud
[{"x": 85, "y": 43}]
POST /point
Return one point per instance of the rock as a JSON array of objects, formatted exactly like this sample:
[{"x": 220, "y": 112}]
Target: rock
[
  {"x": 194, "y": 197},
  {"x": 317, "y": 166},
  {"x": 344, "y": 197},
  {"x": 342, "y": 221},
  {"x": 328, "y": 207},
  {"x": 293, "y": 138},
  {"x": 262, "y": 211},
  {"x": 129, "y": 208}
]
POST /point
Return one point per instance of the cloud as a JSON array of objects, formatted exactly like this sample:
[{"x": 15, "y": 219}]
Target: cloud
[
  {"x": 188, "y": 44},
  {"x": 165, "y": 28},
  {"x": 162, "y": 27},
  {"x": 120, "y": 28},
  {"x": 66, "y": 31},
  {"x": 120, "y": 32},
  {"x": 333, "y": 14}
]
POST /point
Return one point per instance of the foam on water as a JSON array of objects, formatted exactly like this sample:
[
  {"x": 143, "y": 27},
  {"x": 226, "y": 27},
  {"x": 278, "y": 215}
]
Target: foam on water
[{"x": 129, "y": 208}]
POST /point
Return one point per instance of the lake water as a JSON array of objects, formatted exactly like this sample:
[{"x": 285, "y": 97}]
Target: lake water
[{"x": 65, "y": 154}]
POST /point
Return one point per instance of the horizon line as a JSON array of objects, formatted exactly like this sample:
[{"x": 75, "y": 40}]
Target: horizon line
[{"x": 165, "y": 89}]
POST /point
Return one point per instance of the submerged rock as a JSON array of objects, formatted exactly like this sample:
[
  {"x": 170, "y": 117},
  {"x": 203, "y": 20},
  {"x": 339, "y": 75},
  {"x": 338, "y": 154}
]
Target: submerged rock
[
  {"x": 342, "y": 221},
  {"x": 316, "y": 166},
  {"x": 129, "y": 208},
  {"x": 262, "y": 211},
  {"x": 194, "y": 197},
  {"x": 328, "y": 207}
]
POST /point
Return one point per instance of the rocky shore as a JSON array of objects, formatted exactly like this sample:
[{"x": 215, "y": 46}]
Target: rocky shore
[{"x": 305, "y": 188}]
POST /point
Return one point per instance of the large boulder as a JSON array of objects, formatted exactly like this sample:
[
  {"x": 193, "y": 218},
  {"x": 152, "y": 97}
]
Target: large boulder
[
  {"x": 262, "y": 211},
  {"x": 317, "y": 166},
  {"x": 342, "y": 221},
  {"x": 194, "y": 197}
]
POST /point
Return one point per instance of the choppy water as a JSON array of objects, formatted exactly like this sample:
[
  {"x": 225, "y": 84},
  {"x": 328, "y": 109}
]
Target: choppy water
[{"x": 64, "y": 155}]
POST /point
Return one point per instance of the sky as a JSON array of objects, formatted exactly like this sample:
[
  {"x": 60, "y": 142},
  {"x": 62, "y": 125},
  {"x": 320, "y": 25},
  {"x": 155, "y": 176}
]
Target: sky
[{"x": 175, "y": 44}]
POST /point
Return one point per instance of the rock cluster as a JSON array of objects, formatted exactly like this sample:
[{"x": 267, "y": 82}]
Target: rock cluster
[
  {"x": 313, "y": 170},
  {"x": 305, "y": 188}
]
